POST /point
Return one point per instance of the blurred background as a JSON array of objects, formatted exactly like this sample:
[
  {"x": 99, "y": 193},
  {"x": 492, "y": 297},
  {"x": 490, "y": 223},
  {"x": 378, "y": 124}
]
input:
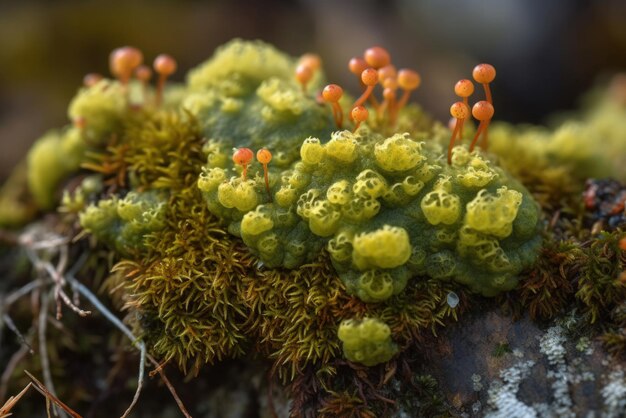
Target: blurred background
[{"x": 547, "y": 53}]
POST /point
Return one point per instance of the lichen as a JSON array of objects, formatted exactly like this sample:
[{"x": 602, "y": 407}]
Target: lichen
[{"x": 367, "y": 341}]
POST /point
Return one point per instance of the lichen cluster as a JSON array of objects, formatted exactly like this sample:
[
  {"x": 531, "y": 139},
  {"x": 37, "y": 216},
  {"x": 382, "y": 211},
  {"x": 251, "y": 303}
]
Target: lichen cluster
[
  {"x": 354, "y": 247},
  {"x": 385, "y": 209}
]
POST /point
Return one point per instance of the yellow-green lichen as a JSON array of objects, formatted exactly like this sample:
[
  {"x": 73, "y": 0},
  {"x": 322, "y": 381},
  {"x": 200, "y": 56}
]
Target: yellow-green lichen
[
  {"x": 122, "y": 223},
  {"x": 373, "y": 216},
  {"x": 367, "y": 341},
  {"x": 53, "y": 157}
]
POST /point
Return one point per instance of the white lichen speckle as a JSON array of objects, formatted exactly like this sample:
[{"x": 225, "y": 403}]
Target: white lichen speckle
[{"x": 614, "y": 395}]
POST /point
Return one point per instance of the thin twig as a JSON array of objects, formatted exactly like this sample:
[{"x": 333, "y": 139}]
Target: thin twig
[
  {"x": 171, "y": 388},
  {"x": 142, "y": 367},
  {"x": 10, "y": 403},
  {"x": 50, "y": 396},
  {"x": 12, "y": 297},
  {"x": 59, "y": 293},
  {"x": 120, "y": 325},
  {"x": 10, "y": 368},
  {"x": 43, "y": 348},
  {"x": 11, "y": 325}
]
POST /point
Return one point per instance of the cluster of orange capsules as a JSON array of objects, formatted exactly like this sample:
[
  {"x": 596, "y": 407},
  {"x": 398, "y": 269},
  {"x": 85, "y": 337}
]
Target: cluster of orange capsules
[
  {"x": 243, "y": 157},
  {"x": 127, "y": 61},
  {"x": 482, "y": 110},
  {"x": 374, "y": 68}
]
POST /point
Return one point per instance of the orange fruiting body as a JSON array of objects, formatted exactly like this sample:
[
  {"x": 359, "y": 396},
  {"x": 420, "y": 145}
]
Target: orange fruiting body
[
  {"x": 313, "y": 61},
  {"x": 143, "y": 73},
  {"x": 243, "y": 156},
  {"x": 377, "y": 57},
  {"x": 459, "y": 110},
  {"x": 369, "y": 77},
  {"x": 304, "y": 74},
  {"x": 484, "y": 73},
  {"x": 123, "y": 61},
  {"x": 359, "y": 114},
  {"x": 408, "y": 79},
  {"x": 482, "y": 110},
  {"x": 165, "y": 65},
  {"x": 464, "y": 88},
  {"x": 332, "y": 93},
  {"x": 264, "y": 156},
  {"x": 357, "y": 65}
]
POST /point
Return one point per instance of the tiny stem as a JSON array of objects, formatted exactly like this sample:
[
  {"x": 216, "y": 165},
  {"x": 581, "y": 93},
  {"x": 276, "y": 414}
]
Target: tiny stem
[{"x": 457, "y": 127}]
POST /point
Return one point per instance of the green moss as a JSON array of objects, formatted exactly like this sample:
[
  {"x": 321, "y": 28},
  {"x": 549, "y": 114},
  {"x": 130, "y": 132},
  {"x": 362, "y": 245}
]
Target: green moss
[{"x": 367, "y": 341}]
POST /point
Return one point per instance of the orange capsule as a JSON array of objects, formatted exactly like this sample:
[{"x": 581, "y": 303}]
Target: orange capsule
[
  {"x": 359, "y": 114},
  {"x": 408, "y": 79},
  {"x": 377, "y": 57},
  {"x": 304, "y": 74},
  {"x": 459, "y": 110},
  {"x": 369, "y": 77},
  {"x": 464, "y": 88},
  {"x": 482, "y": 110},
  {"x": 123, "y": 62},
  {"x": 243, "y": 156},
  {"x": 264, "y": 156},
  {"x": 313, "y": 61},
  {"x": 357, "y": 66},
  {"x": 165, "y": 65},
  {"x": 484, "y": 73},
  {"x": 332, "y": 93}
]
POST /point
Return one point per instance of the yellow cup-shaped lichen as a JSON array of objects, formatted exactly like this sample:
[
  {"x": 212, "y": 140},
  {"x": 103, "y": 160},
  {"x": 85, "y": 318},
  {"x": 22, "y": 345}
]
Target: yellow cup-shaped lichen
[
  {"x": 286, "y": 196},
  {"x": 312, "y": 151},
  {"x": 398, "y": 153},
  {"x": 257, "y": 221},
  {"x": 323, "y": 218},
  {"x": 494, "y": 214},
  {"x": 376, "y": 284},
  {"x": 387, "y": 247},
  {"x": 238, "y": 194},
  {"x": 369, "y": 184},
  {"x": 367, "y": 341},
  {"x": 210, "y": 179},
  {"x": 339, "y": 193},
  {"x": 440, "y": 206},
  {"x": 342, "y": 147}
]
